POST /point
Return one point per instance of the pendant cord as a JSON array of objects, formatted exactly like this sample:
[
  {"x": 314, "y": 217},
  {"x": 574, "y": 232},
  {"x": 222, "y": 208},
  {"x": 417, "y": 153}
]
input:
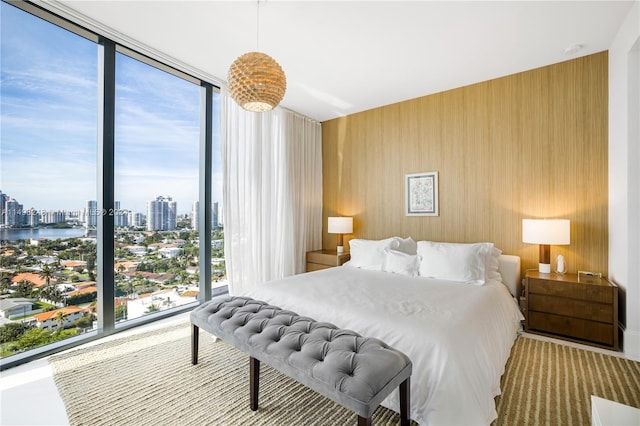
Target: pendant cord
[{"x": 257, "y": 25}]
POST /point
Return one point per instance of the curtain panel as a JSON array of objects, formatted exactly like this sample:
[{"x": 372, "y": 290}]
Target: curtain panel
[{"x": 272, "y": 193}]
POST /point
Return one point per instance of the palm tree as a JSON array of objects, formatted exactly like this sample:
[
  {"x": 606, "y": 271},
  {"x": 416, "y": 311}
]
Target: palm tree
[
  {"x": 24, "y": 289},
  {"x": 56, "y": 296},
  {"x": 46, "y": 273},
  {"x": 93, "y": 309},
  {"x": 5, "y": 282},
  {"x": 121, "y": 269},
  {"x": 91, "y": 265},
  {"x": 121, "y": 312},
  {"x": 50, "y": 291},
  {"x": 131, "y": 287},
  {"x": 60, "y": 319}
]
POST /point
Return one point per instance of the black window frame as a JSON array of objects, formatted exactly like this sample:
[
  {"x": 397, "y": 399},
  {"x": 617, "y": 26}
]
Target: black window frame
[{"x": 107, "y": 49}]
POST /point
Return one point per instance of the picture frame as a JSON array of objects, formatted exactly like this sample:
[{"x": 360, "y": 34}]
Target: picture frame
[{"x": 421, "y": 194}]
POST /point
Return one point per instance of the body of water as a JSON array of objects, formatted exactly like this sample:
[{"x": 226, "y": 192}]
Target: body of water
[{"x": 49, "y": 233}]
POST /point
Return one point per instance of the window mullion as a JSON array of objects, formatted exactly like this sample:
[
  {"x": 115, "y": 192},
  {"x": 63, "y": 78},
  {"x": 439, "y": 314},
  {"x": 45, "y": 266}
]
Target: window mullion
[
  {"x": 105, "y": 219},
  {"x": 204, "y": 207}
]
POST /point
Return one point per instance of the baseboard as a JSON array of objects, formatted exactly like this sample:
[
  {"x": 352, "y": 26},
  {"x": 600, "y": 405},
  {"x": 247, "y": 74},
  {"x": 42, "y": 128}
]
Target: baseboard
[{"x": 573, "y": 344}]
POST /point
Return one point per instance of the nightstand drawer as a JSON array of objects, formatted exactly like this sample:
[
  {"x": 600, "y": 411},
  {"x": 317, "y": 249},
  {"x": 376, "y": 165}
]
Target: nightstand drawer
[
  {"x": 323, "y": 259},
  {"x": 572, "y": 327},
  {"x": 316, "y": 266},
  {"x": 576, "y": 308},
  {"x": 595, "y": 293},
  {"x": 327, "y": 258}
]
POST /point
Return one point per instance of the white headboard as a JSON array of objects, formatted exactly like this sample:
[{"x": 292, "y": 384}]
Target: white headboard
[{"x": 509, "y": 267}]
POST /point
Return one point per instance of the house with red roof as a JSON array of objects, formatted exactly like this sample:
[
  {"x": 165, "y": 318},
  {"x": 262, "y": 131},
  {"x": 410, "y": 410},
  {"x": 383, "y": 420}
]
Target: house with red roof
[
  {"x": 50, "y": 319},
  {"x": 30, "y": 277},
  {"x": 125, "y": 266},
  {"x": 84, "y": 284},
  {"x": 85, "y": 290},
  {"x": 74, "y": 265}
]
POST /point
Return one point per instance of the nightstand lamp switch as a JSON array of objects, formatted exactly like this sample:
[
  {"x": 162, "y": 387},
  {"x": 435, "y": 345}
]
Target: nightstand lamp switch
[
  {"x": 340, "y": 226},
  {"x": 545, "y": 232}
]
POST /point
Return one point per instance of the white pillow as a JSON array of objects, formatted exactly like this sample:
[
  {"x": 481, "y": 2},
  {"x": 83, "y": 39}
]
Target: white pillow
[
  {"x": 454, "y": 261},
  {"x": 369, "y": 254},
  {"x": 493, "y": 265},
  {"x": 407, "y": 245},
  {"x": 399, "y": 262}
]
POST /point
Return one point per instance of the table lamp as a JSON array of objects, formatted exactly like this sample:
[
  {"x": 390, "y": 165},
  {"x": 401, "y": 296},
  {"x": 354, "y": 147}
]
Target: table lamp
[
  {"x": 545, "y": 232},
  {"x": 340, "y": 226}
]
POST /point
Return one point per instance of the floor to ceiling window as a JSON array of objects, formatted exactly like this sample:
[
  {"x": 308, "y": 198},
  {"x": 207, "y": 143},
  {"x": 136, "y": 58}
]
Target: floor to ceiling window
[
  {"x": 218, "y": 267},
  {"x": 47, "y": 182},
  {"x": 156, "y": 186},
  {"x": 53, "y": 181}
]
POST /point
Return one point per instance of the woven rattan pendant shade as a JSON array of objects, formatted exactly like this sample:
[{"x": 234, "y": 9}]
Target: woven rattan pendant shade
[{"x": 256, "y": 82}]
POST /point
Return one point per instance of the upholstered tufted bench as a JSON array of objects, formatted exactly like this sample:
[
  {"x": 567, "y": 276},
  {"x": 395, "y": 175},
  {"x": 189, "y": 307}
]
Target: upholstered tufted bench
[{"x": 354, "y": 371}]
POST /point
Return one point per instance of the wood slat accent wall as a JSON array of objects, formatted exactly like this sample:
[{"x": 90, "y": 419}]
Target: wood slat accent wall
[{"x": 529, "y": 145}]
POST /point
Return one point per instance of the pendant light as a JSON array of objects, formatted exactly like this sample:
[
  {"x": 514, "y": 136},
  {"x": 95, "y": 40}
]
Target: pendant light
[{"x": 256, "y": 81}]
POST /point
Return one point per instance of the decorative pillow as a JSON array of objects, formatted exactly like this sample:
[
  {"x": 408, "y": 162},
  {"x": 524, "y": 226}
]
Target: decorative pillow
[
  {"x": 407, "y": 245},
  {"x": 399, "y": 262},
  {"x": 454, "y": 261},
  {"x": 369, "y": 254}
]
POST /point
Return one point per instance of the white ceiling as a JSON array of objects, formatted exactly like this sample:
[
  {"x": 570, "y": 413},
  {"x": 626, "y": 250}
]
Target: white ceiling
[{"x": 342, "y": 57}]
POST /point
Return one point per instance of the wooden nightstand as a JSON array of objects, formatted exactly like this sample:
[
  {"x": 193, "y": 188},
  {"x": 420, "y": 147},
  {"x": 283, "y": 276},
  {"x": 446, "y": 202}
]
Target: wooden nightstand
[
  {"x": 580, "y": 309},
  {"x": 323, "y": 259}
]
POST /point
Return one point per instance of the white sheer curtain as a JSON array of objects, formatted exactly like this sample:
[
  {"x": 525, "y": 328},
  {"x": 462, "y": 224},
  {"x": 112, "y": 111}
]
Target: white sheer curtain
[{"x": 272, "y": 197}]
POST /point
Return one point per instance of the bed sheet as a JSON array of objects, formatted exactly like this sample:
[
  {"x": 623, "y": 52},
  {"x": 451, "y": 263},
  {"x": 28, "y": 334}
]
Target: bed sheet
[{"x": 457, "y": 335}]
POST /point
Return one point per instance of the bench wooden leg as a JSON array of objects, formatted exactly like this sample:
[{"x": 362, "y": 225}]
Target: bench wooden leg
[
  {"x": 405, "y": 402},
  {"x": 194, "y": 344},
  {"x": 254, "y": 381},
  {"x": 362, "y": 421}
]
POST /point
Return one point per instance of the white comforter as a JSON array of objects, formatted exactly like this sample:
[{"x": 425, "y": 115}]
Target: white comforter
[{"x": 457, "y": 335}]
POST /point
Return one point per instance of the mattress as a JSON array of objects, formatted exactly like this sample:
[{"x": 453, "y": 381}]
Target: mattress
[{"x": 457, "y": 335}]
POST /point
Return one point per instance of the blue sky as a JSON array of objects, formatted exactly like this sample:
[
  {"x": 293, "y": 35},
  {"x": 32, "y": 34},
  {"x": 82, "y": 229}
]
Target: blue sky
[{"x": 48, "y": 123}]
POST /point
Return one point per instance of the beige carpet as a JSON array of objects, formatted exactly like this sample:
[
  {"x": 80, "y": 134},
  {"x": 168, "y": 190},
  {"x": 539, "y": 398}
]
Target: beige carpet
[
  {"x": 550, "y": 384},
  {"x": 148, "y": 379}
]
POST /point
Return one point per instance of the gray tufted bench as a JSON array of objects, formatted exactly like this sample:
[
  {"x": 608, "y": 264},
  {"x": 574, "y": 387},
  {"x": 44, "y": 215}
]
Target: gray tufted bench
[{"x": 354, "y": 371}]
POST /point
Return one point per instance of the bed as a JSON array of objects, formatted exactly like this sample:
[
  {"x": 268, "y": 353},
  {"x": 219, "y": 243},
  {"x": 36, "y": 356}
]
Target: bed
[{"x": 458, "y": 333}]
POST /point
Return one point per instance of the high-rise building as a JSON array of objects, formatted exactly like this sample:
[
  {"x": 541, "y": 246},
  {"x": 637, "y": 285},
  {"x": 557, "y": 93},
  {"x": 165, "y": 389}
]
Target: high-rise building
[
  {"x": 195, "y": 215},
  {"x": 162, "y": 214},
  {"x": 173, "y": 215},
  {"x": 32, "y": 217},
  {"x": 215, "y": 223},
  {"x": 54, "y": 216},
  {"x": 135, "y": 219},
  {"x": 13, "y": 212},
  {"x": 121, "y": 217},
  {"x": 91, "y": 214},
  {"x": 3, "y": 199},
  {"x": 215, "y": 215}
]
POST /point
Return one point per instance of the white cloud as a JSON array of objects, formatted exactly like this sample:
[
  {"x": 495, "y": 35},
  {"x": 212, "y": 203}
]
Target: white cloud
[{"x": 49, "y": 123}]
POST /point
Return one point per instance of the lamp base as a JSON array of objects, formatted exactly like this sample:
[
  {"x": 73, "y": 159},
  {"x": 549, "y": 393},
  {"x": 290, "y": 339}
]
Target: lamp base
[
  {"x": 340, "y": 249},
  {"x": 544, "y": 268}
]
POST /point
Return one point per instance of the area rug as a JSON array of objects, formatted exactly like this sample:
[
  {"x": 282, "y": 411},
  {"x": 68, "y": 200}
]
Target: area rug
[
  {"x": 148, "y": 379},
  {"x": 550, "y": 384}
]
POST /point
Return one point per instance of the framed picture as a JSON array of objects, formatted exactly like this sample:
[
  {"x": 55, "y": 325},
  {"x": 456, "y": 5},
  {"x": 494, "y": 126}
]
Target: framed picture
[{"x": 421, "y": 194}]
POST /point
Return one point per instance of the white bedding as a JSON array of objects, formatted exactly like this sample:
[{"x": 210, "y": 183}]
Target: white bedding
[{"x": 457, "y": 335}]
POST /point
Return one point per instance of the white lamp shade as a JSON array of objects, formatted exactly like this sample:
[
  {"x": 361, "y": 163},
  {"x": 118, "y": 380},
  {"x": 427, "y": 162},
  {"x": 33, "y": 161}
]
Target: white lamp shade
[
  {"x": 340, "y": 225},
  {"x": 546, "y": 231}
]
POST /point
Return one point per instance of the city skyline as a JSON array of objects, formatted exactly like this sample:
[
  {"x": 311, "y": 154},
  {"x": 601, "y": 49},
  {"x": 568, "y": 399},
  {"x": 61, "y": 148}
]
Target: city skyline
[
  {"x": 92, "y": 204},
  {"x": 48, "y": 145}
]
